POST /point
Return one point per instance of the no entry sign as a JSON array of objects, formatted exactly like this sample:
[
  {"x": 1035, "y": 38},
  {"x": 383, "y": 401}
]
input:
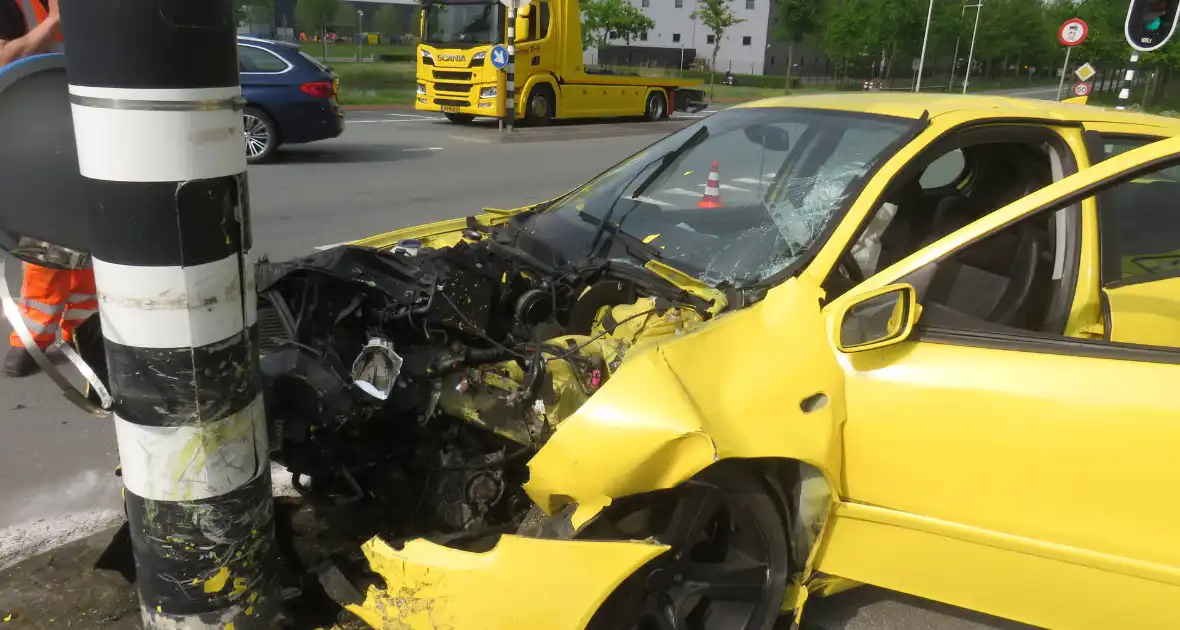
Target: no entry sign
[{"x": 1073, "y": 32}]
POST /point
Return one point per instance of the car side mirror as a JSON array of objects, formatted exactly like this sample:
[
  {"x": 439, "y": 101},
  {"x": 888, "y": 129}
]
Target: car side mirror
[{"x": 880, "y": 318}]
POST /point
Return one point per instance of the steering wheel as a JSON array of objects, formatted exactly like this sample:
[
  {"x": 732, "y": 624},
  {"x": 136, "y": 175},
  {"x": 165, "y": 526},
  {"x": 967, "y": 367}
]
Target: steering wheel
[{"x": 850, "y": 267}]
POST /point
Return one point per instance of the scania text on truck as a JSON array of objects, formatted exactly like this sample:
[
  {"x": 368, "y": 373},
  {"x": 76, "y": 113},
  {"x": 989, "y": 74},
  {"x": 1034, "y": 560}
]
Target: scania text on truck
[{"x": 455, "y": 75}]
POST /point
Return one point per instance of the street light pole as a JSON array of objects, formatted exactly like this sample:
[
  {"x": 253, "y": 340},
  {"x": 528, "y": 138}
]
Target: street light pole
[
  {"x": 925, "y": 38},
  {"x": 360, "y": 38},
  {"x": 156, "y": 101},
  {"x": 971, "y": 54}
]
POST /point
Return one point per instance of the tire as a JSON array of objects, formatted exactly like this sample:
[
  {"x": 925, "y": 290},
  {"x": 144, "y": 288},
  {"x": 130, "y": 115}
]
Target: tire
[
  {"x": 740, "y": 543},
  {"x": 540, "y": 106},
  {"x": 261, "y": 134},
  {"x": 460, "y": 119},
  {"x": 657, "y": 107}
]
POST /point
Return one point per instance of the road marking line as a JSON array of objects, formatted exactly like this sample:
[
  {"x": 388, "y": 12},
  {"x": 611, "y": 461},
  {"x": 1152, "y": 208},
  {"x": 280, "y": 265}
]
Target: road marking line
[
  {"x": 654, "y": 202},
  {"x": 748, "y": 180},
  {"x": 323, "y": 247},
  {"x": 417, "y": 116},
  {"x": 419, "y": 149}
]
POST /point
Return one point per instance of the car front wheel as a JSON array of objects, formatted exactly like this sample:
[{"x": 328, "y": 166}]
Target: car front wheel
[
  {"x": 728, "y": 564},
  {"x": 262, "y": 136}
]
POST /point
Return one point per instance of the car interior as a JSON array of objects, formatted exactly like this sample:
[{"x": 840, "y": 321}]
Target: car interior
[{"x": 1012, "y": 279}]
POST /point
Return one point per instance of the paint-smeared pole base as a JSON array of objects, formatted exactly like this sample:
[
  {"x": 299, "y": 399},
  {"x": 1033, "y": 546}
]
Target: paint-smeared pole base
[{"x": 156, "y": 108}]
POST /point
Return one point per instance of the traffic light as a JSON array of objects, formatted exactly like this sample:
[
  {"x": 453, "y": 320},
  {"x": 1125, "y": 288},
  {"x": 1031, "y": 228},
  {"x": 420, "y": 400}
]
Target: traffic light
[{"x": 1150, "y": 23}]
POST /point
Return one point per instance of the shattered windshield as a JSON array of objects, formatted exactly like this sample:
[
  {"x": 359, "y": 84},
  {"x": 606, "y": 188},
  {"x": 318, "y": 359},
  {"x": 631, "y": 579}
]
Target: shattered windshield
[
  {"x": 734, "y": 198},
  {"x": 462, "y": 24}
]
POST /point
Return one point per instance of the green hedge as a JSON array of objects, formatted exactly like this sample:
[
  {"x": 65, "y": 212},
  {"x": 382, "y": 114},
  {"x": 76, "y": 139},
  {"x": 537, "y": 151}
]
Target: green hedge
[
  {"x": 745, "y": 80},
  {"x": 397, "y": 57}
]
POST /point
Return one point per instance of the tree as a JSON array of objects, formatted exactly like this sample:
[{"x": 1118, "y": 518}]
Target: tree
[
  {"x": 599, "y": 19},
  {"x": 632, "y": 24},
  {"x": 796, "y": 20},
  {"x": 253, "y": 11},
  {"x": 717, "y": 17},
  {"x": 346, "y": 17},
  {"x": 388, "y": 21},
  {"x": 313, "y": 16}
]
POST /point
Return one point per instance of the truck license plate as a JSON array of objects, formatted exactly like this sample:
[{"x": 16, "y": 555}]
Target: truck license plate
[{"x": 451, "y": 109}]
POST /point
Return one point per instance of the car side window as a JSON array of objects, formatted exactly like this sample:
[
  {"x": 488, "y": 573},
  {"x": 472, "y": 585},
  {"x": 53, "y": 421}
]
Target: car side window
[
  {"x": 259, "y": 61},
  {"x": 1139, "y": 222}
]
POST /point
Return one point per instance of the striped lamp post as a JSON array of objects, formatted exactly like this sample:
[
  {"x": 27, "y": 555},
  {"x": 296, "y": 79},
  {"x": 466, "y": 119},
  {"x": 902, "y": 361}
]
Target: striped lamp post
[{"x": 155, "y": 96}]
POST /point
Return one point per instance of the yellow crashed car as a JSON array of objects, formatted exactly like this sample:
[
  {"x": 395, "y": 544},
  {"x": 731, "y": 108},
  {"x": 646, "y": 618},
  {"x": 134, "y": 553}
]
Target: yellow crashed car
[{"x": 927, "y": 343}]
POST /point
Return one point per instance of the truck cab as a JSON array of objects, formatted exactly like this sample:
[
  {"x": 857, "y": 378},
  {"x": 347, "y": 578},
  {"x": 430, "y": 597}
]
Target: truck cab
[{"x": 455, "y": 75}]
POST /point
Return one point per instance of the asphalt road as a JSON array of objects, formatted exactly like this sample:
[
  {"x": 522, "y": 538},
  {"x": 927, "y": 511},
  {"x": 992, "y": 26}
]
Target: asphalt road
[{"x": 389, "y": 170}]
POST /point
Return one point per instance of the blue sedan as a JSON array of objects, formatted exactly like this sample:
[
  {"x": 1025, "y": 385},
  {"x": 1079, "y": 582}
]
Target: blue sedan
[{"x": 290, "y": 97}]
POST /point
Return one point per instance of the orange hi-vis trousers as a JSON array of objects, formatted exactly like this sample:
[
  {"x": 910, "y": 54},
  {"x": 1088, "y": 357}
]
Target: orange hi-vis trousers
[{"x": 53, "y": 301}]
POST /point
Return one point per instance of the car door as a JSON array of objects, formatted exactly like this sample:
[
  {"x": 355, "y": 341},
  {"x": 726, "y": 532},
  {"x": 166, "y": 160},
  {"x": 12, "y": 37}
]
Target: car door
[
  {"x": 1139, "y": 244},
  {"x": 1014, "y": 472}
]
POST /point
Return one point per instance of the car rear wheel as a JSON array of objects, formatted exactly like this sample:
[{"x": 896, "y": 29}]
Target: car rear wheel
[
  {"x": 262, "y": 135},
  {"x": 657, "y": 107},
  {"x": 728, "y": 566},
  {"x": 460, "y": 119}
]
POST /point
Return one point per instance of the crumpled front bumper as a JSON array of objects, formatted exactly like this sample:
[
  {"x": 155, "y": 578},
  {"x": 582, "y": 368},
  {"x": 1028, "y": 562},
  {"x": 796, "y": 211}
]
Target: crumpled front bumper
[{"x": 521, "y": 584}]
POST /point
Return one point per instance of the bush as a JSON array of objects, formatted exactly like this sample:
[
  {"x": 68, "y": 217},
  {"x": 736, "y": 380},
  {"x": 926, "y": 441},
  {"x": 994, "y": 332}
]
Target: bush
[{"x": 397, "y": 57}]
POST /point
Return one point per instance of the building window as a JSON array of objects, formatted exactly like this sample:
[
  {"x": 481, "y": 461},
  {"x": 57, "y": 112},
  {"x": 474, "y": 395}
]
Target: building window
[
  {"x": 675, "y": 38},
  {"x": 613, "y": 35},
  {"x": 746, "y": 40},
  {"x": 646, "y": 3},
  {"x": 679, "y": 4},
  {"x": 749, "y": 5},
  {"x": 709, "y": 39},
  {"x": 643, "y": 37}
]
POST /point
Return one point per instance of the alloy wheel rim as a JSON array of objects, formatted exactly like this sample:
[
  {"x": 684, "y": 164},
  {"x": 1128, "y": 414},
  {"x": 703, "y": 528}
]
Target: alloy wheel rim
[
  {"x": 657, "y": 108},
  {"x": 257, "y": 135}
]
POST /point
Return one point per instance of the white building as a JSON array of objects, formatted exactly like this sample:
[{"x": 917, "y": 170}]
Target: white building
[{"x": 743, "y": 48}]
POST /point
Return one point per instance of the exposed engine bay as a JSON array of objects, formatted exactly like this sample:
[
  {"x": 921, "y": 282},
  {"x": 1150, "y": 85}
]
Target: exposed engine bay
[{"x": 426, "y": 378}]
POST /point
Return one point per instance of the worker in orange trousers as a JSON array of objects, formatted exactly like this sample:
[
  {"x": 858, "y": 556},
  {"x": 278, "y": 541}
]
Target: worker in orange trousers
[{"x": 53, "y": 301}]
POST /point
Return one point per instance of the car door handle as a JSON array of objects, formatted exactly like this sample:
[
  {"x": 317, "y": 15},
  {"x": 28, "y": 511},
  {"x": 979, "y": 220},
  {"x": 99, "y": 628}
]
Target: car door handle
[{"x": 814, "y": 402}]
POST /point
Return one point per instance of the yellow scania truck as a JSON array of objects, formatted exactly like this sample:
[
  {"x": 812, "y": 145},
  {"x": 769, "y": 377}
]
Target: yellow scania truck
[{"x": 456, "y": 76}]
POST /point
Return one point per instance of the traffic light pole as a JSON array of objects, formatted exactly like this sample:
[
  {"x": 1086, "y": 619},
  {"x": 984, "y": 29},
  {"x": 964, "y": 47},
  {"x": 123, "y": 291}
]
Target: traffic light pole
[
  {"x": 1124, "y": 97},
  {"x": 155, "y": 96},
  {"x": 1149, "y": 25}
]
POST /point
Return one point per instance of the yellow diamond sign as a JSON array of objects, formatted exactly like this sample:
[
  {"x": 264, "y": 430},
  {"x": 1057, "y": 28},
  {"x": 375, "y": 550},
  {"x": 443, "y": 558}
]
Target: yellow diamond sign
[{"x": 1086, "y": 72}]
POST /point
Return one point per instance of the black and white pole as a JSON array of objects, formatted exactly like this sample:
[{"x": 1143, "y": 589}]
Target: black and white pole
[
  {"x": 510, "y": 80},
  {"x": 155, "y": 95},
  {"x": 1124, "y": 97}
]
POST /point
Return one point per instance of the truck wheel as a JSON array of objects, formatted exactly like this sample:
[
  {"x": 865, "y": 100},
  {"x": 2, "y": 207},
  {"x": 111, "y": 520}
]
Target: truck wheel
[
  {"x": 541, "y": 106},
  {"x": 460, "y": 119},
  {"x": 657, "y": 107}
]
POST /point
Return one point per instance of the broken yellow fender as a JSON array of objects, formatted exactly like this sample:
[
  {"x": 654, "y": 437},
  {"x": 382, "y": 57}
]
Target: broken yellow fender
[{"x": 432, "y": 587}]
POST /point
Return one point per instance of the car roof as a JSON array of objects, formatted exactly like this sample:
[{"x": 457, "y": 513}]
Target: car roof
[
  {"x": 267, "y": 42},
  {"x": 913, "y": 105}
]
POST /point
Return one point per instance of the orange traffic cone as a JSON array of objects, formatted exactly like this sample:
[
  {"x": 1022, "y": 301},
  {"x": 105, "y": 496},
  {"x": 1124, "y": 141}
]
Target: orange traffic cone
[{"x": 712, "y": 196}]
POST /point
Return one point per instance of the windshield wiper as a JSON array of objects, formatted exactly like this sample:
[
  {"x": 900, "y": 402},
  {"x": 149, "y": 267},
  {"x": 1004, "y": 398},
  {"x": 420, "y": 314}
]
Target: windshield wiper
[
  {"x": 664, "y": 162},
  {"x": 670, "y": 157}
]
